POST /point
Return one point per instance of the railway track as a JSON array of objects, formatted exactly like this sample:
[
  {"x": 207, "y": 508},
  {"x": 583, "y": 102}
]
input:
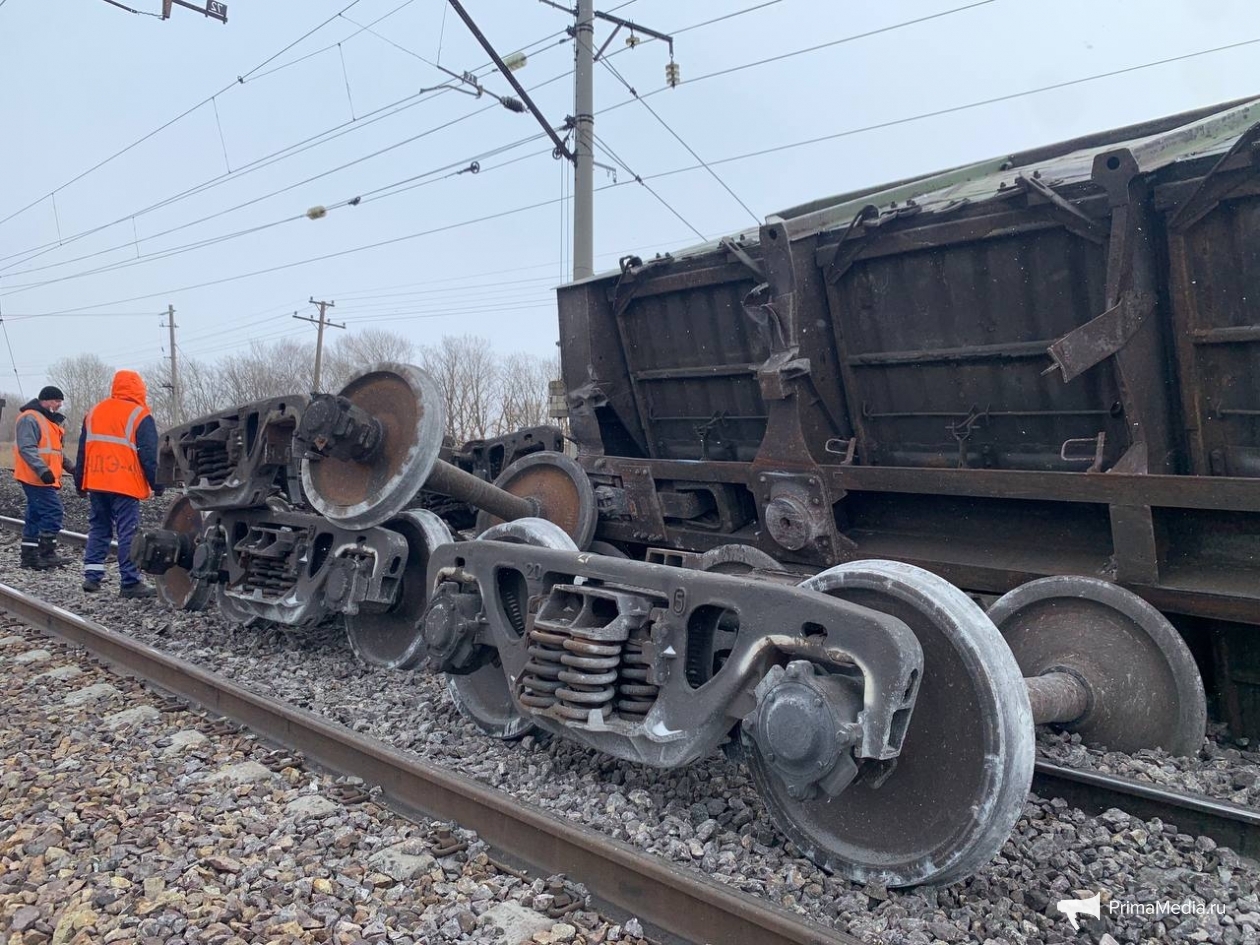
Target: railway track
[
  {"x": 1229, "y": 824},
  {"x": 684, "y": 906}
]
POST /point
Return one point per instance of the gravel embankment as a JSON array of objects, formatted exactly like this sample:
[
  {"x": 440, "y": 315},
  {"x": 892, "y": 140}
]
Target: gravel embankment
[
  {"x": 121, "y": 821},
  {"x": 708, "y": 817}
]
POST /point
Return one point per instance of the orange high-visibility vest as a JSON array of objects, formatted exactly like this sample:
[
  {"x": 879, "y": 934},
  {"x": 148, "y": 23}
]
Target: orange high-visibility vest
[
  {"x": 110, "y": 460},
  {"x": 51, "y": 437}
]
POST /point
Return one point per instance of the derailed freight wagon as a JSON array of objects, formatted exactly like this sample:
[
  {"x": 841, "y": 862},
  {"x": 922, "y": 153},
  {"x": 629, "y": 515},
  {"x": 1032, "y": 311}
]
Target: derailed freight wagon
[
  {"x": 1035, "y": 377},
  {"x": 1043, "y": 364}
]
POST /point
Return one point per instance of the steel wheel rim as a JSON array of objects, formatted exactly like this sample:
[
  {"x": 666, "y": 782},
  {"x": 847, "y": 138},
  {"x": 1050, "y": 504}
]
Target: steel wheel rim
[
  {"x": 924, "y": 824},
  {"x": 394, "y": 639},
  {"x": 483, "y": 696},
  {"x": 407, "y": 402},
  {"x": 177, "y": 587},
  {"x": 1147, "y": 689}
]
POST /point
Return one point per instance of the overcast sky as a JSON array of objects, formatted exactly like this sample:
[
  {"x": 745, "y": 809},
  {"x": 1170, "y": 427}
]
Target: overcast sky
[{"x": 82, "y": 79}]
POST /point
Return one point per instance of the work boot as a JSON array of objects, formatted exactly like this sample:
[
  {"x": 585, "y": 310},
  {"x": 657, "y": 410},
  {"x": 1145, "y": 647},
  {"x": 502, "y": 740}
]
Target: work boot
[
  {"x": 48, "y": 557},
  {"x": 91, "y": 585},
  {"x": 137, "y": 591},
  {"x": 30, "y": 556}
]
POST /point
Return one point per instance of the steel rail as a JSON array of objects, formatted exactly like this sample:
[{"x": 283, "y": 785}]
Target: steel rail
[
  {"x": 684, "y": 905},
  {"x": 73, "y": 538},
  {"x": 1229, "y": 824}
]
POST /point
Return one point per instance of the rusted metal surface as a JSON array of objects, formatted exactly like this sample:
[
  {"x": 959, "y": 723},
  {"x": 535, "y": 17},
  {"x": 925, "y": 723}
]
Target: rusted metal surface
[
  {"x": 1012, "y": 334},
  {"x": 682, "y": 903},
  {"x": 1047, "y": 363}
]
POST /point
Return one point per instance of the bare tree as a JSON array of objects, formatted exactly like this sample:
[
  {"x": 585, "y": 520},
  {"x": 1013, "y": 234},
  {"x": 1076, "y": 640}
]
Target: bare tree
[
  {"x": 200, "y": 391},
  {"x": 353, "y": 352},
  {"x": 468, "y": 377},
  {"x": 8, "y": 421},
  {"x": 267, "y": 370},
  {"x": 85, "y": 380},
  {"x": 523, "y": 394}
]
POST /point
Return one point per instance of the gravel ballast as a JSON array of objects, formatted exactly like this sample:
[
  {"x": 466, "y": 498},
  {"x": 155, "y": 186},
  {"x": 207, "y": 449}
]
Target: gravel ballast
[
  {"x": 121, "y": 820},
  {"x": 707, "y": 816}
]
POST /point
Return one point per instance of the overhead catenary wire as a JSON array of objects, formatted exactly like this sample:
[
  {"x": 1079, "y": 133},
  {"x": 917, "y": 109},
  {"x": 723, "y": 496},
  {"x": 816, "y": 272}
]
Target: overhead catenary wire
[
  {"x": 289, "y": 151},
  {"x": 318, "y": 139},
  {"x": 454, "y": 169},
  {"x": 677, "y": 137},
  {"x": 648, "y": 187},
  {"x": 749, "y": 155}
]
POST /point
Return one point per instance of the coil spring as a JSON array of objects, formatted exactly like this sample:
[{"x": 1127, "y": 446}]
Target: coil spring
[
  {"x": 269, "y": 574},
  {"x": 541, "y": 677},
  {"x": 210, "y": 461},
  {"x": 572, "y": 674},
  {"x": 635, "y": 695},
  {"x": 590, "y": 669}
]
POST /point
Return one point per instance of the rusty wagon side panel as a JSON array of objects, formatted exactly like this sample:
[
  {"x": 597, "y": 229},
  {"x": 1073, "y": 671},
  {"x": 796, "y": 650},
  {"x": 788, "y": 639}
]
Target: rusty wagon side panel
[{"x": 1046, "y": 363}]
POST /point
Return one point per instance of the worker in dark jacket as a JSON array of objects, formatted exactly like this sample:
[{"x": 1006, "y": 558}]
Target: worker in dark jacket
[
  {"x": 118, "y": 470},
  {"x": 38, "y": 464}
]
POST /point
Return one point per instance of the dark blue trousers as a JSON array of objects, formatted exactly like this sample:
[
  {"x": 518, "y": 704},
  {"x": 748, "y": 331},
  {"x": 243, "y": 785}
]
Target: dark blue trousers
[
  {"x": 111, "y": 516},
  {"x": 43, "y": 512}
]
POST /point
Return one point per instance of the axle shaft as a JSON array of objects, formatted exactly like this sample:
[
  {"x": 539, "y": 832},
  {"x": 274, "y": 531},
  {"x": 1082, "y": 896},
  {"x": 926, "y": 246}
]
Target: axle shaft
[
  {"x": 453, "y": 481},
  {"x": 1057, "y": 697}
]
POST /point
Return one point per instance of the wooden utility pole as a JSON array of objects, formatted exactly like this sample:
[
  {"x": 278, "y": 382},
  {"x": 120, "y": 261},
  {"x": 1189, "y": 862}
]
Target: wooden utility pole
[
  {"x": 319, "y": 338},
  {"x": 177, "y": 401}
]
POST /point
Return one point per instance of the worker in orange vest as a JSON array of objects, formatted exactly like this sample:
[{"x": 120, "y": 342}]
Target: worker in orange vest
[
  {"x": 118, "y": 470},
  {"x": 38, "y": 464}
]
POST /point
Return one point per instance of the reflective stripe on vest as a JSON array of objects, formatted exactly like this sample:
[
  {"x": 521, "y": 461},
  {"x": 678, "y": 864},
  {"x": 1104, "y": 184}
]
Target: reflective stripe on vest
[
  {"x": 111, "y": 460},
  {"x": 48, "y": 449},
  {"x": 126, "y": 439}
]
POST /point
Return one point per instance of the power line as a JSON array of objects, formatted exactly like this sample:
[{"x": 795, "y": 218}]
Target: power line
[
  {"x": 239, "y": 80},
  {"x": 121, "y": 6},
  {"x": 326, "y": 256},
  {"x": 9, "y": 343},
  {"x": 921, "y": 116},
  {"x": 677, "y": 137},
  {"x": 323, "y": 137},
  {"x": 464, "y": 166},
  {"x": 648, "y": 187}
]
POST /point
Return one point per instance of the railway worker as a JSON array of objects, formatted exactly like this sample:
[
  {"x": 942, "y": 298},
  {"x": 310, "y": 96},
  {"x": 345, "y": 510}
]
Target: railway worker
[
  {"x": 38, "y": 464},
  {"x": 117, "y": 469}
]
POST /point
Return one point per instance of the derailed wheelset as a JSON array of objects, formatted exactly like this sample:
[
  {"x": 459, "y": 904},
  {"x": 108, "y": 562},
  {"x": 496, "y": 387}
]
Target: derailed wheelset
[
  {"x": 305, "y": 509},
  {"x": 887, "y": 721}
]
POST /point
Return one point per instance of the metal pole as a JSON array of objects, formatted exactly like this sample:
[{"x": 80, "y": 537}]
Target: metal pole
[
  {"x": 322, "y": 322},
  {"x": 319, "y": 346},
  {"x": 177, "y": 402},
  {"x": 584, "y": 154}
]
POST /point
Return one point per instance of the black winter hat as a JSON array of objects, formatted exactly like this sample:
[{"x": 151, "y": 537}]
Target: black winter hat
[{"x": 51, "y": 393}]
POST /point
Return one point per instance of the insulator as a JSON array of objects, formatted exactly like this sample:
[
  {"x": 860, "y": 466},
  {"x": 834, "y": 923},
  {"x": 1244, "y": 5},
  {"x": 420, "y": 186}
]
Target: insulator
[
  {"x": 512, "y": 104},
  {"x": 672, "y": 74}
]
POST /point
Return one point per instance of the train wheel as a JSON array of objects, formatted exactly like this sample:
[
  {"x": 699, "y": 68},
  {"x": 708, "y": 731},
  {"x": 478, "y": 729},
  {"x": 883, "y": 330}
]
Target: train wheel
[
  {"x": 1144, "y": 687},
  {"x": 560, "y": 488},
  {"x": 408, "y": 405},
  {"x": 482, "y": 696},
  {"x": 176, "y": 585},
  {"x": 394, "y": 639},
  {"x": 952, "y": 796}
]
